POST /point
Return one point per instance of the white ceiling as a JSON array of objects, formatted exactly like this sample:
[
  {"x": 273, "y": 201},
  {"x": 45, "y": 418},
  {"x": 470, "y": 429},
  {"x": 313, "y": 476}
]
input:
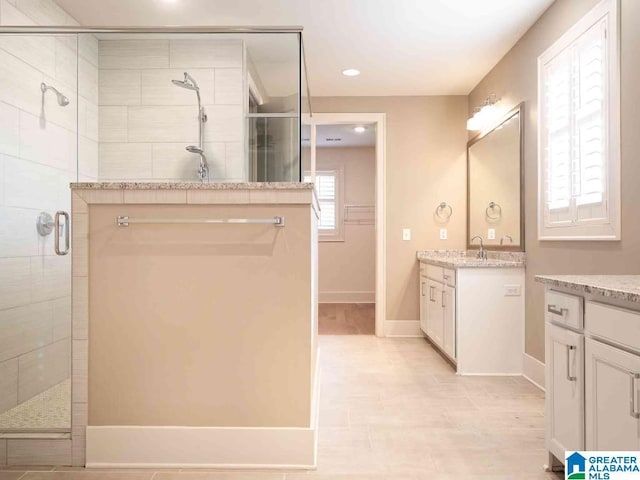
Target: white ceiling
[
  {"x": 402, "y": 47},
  {"x": 340, "y": 136}
]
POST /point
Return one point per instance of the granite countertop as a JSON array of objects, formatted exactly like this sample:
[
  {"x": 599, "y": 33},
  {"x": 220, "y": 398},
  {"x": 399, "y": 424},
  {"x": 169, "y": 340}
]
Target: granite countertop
[
  {"x": 468, "y": 259},
  {"x": 191, "y": 186},
  {"x": 620, "y": 287}
]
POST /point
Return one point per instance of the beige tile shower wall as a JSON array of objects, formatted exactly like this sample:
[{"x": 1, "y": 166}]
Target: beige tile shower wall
[
  {"x": 38, "y": 158},
  {"x": 173, "y": 339},
  {"x": 514, "y": 79},
  {"x": 146, "y": 122}
]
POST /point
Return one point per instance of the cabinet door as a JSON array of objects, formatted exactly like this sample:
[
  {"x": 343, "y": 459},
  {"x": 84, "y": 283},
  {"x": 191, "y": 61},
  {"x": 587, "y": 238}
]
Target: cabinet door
[
  {"x": 612, "y": 406},
  {"x": 434, "y": 312},
  {"x": 424, "y": 300},
  {"x": 449, "y": 321},
  {"x": 565, "y": 390}
]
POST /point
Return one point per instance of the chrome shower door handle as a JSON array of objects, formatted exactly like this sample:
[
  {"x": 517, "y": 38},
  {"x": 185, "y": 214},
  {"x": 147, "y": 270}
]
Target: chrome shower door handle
[{"x": 59, "y": 214}]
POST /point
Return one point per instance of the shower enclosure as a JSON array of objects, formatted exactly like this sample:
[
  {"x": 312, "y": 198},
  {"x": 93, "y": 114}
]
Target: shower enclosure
[{"x": 101, "y": 104}]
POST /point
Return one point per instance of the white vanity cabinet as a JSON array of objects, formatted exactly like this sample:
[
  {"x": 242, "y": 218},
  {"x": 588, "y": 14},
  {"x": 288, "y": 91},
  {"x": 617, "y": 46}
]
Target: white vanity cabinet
[
  {"x": 612, "y": 410},
  {"x": 437, "y": 314},
  {"x": 449, "y": 321},
  {"x": 564, "y": 390},
  {"x": 592, "y": 365},
  {"x": 472, "y": 311},
  {"x": 612, "y": 380}
]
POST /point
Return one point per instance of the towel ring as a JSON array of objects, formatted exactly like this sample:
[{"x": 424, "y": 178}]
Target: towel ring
[
  {"x": 493, "y": 206},
  {"x": 441, "y": 207}
]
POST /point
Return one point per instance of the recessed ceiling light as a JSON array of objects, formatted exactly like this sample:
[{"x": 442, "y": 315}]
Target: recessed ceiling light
[
  {"x": 359, "y": 129},
  {"x": 351, "y": 72}
]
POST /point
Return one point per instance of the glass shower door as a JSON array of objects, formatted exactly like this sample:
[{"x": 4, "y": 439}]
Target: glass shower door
[{"x": 39, "y": 107}]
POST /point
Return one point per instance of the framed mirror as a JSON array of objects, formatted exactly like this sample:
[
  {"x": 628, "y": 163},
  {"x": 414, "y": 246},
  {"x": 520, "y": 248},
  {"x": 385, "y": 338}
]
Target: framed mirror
[{"x": 495, "y": 184}]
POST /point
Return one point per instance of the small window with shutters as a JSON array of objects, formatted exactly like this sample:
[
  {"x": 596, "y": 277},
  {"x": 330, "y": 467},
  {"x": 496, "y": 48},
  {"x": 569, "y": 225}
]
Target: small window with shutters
[
  {"x": 578, "y": 131},
  {"x": 328, "y": 188}
]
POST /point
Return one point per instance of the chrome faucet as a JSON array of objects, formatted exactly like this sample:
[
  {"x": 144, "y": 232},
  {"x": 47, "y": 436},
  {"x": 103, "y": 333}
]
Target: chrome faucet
[
  {"x": 505, "y": 237},
  {"x": 482, "y": 254},
  {"x": 203, "y": 171}
]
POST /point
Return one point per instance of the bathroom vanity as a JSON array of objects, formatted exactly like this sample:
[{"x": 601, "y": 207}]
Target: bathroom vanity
[
  {"x": 172, "y": 365},
  {"x": 592, "y": 325},
  {"x": 472, "y": 310}
]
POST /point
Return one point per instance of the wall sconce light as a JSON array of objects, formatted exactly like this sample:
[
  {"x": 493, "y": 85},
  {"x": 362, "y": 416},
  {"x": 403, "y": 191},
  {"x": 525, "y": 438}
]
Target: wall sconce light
[{"x": 484, "y": 115}]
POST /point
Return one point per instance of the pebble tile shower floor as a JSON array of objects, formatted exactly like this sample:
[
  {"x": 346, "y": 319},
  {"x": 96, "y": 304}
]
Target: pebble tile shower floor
[
  {"x": 49, "y": 410},
  {"x": 393, "y": 409}
]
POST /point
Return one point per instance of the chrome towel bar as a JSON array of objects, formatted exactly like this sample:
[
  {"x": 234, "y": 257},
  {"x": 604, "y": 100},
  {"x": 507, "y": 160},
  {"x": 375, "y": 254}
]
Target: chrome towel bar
[{"x": 124, "y": 221}]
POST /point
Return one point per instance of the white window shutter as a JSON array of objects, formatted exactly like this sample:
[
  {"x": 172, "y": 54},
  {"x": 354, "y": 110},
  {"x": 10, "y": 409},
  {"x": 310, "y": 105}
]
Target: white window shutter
[
  {"x": 557, "y": 135},
  {"x": 578, "y": 130},
  {"x": 327, "y": 190}
]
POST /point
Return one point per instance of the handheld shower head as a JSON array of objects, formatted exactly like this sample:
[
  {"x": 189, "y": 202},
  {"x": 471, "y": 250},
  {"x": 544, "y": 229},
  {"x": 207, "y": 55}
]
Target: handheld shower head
[
  {"x": 194, "y": 149},
  {"x": 189, "y": 83},
  {"x": 63, "y": 101}
]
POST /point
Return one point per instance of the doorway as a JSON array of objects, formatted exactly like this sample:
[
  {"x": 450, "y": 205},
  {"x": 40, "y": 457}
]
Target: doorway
[{"x": 343, "y": 155}]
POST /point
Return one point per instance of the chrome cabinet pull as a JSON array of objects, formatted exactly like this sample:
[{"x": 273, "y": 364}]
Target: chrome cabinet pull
[
  {"x": 570, "y": 377},
  {"x": 556, "y": 311},
  {"x": 431, "y": 290},
  {"x": 59, "y": 214},
  {"x": 634, "y": 395},
  {"x": 443, "y": 294},
  {"x": 422, "y": 289}
]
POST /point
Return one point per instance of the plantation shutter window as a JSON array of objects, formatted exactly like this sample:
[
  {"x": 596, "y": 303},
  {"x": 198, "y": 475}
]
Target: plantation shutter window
[
  {"x": 578, "y": 128},
  {"x": 327, "y": 184}
]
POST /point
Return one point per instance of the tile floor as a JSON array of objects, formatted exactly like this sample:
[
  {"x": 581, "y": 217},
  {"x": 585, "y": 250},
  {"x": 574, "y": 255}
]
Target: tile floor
[
  {"x": 392, "y": 409},
  {"x": 346, "y": 318}
]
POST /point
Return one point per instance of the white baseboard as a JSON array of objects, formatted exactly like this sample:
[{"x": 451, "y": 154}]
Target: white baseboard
[
  {"x": 533, "y": 370},
  {"x": 402, "y": 328},
  {"x": 207, "y": 447},
  {"x": 347, "y": 297}
]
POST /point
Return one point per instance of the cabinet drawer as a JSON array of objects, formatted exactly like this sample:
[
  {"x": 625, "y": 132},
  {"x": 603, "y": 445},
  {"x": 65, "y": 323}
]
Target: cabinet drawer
[
  {"x": 564, "y": 309},
  {"x": 449, "y": 277},
  {"x": 616, "y": 324},
  {"x": 434, "y": 272}
]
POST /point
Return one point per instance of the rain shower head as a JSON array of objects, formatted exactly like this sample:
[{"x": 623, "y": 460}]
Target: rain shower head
[
  {"x": 189, "y": 83},
  {"x": 63, "y": 101}
]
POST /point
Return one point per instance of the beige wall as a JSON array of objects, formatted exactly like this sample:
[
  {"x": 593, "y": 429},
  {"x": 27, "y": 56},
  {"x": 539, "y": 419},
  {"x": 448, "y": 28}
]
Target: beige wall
[
  {"x": 514, "y": 79},
  {"x": 426, "y": 164},
  {"x": 347, "y": 268},
  {"x": 195, "y": 325}
]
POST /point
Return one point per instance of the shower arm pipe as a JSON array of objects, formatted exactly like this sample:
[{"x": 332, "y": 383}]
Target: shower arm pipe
[{"x": 173, "y": 29}]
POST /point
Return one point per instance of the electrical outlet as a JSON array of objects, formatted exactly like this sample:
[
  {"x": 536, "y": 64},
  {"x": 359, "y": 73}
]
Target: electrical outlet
[
  {"x": 443, "y": 234},
  {"x": 491, "y": 234},
  {"x": 406, "y": 234},
  {"x": 512, "y": 290}
]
